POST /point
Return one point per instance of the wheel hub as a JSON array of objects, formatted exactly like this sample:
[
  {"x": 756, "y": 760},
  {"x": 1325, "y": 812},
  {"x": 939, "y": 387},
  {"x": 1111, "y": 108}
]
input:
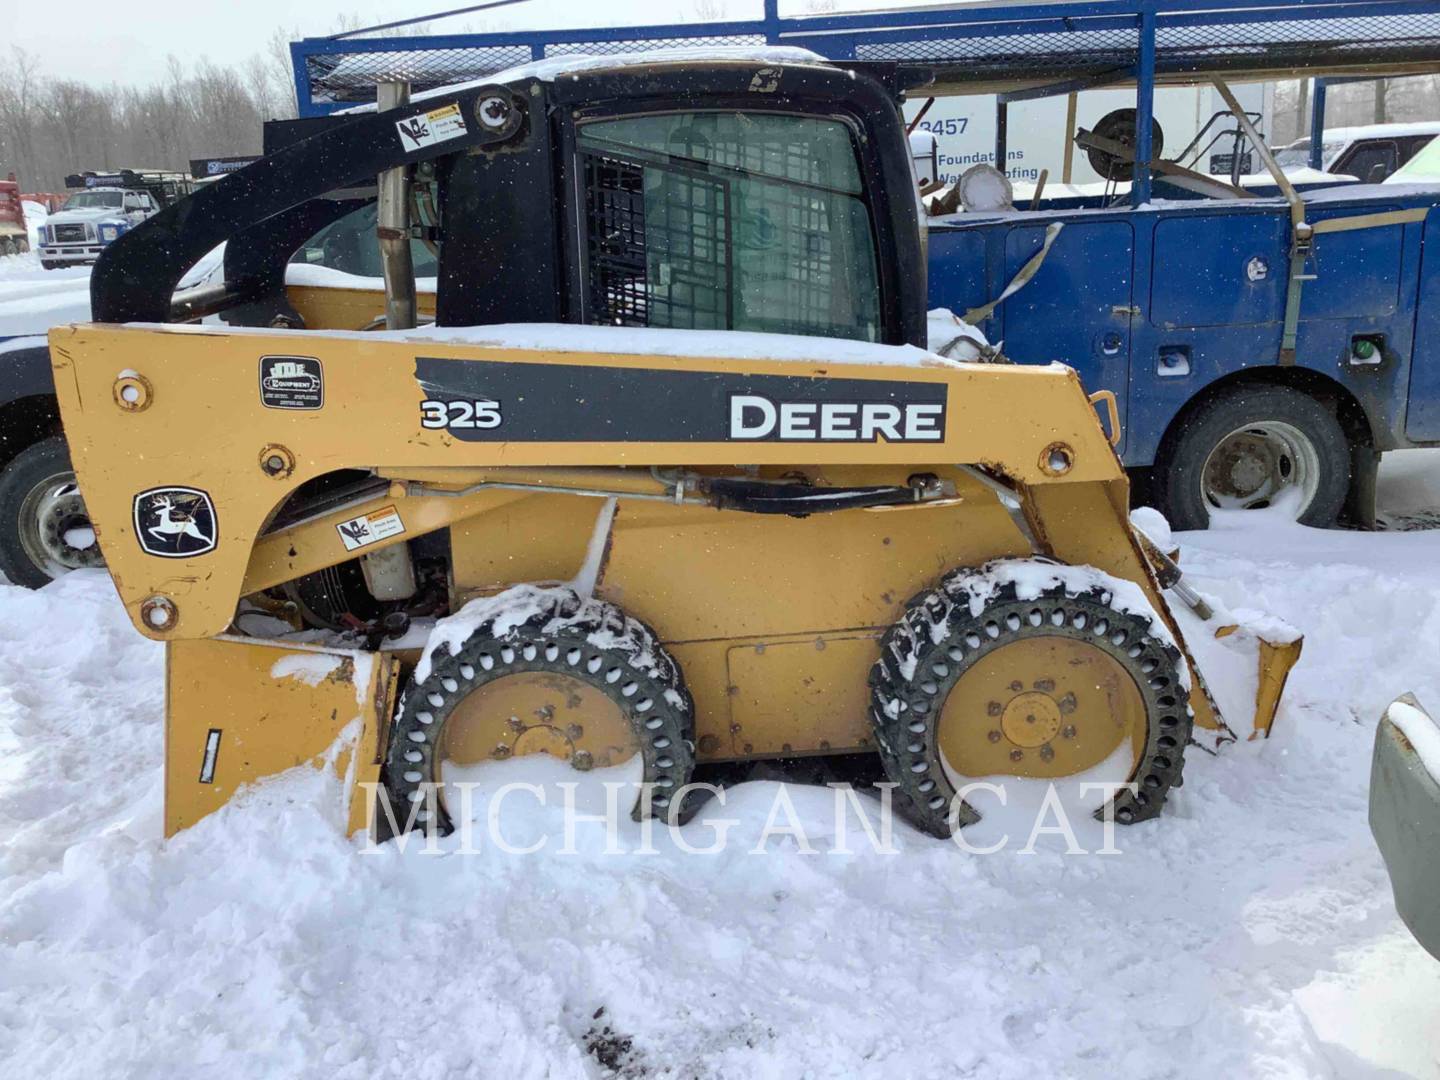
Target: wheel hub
[
  {"x": 1250, "y": 467},
  {"x": 539, "y": 712},
  {"x": 1031, "y": 719},
  {"x": 1045, "y": 706},
  {"x": 55, "y": 527}
]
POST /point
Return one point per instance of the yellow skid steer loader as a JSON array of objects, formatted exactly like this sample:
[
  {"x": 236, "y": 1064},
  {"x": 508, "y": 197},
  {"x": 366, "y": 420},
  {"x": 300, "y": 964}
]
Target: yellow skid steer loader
[{"x": 670, "y": 479}]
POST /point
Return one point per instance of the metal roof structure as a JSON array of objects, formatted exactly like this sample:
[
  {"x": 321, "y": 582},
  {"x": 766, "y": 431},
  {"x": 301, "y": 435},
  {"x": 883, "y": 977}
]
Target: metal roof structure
[{"x": 979, "y": 46}]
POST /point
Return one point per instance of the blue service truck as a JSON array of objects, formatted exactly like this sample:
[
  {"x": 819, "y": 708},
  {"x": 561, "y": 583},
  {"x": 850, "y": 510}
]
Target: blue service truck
[{"x": 1180, "y": 308}]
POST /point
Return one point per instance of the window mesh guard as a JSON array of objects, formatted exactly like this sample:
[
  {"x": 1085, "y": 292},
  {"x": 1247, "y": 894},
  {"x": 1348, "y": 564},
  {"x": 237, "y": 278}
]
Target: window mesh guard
[{"x": 668, "y": 246}]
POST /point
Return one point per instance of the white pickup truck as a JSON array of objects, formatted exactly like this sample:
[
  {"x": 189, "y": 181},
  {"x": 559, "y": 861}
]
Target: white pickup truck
[{"x": 90, "y": 220}]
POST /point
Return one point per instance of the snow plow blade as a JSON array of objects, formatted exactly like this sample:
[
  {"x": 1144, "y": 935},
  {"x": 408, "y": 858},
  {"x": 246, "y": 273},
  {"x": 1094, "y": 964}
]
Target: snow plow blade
[
  {"x": 239, "y": 711},
  {"x": 1405, "y": 814}
]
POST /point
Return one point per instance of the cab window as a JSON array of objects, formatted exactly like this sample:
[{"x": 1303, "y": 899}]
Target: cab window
[
  {"x": 727, "y": 221},
  {"x": 349, "y": 245},
  {"x": 1370, "y": 162}
]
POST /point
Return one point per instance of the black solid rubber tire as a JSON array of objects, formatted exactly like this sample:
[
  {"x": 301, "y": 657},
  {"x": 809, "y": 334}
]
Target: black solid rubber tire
[
  {"x": 939, "y": 639},
  {"x": 48, "y": 264},
  {"x": 1177, "y": 483},
  {"x": 631, "y": 668},
  {"x": 29, "y": 468}
]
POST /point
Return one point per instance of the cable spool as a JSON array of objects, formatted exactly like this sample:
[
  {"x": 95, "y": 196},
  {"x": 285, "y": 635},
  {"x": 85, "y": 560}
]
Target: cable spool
[{"x": 1121, "y": 127}]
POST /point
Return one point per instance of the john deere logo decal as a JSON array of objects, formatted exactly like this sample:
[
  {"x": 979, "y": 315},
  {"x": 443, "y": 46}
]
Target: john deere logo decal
[
  {"x": 175, "y": 522},
  {"x": 291, "y": 382}
]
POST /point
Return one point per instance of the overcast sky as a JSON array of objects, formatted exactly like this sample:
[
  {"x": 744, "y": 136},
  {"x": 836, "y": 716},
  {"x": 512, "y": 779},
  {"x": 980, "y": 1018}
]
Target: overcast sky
[{"x": 117, "y": 41}]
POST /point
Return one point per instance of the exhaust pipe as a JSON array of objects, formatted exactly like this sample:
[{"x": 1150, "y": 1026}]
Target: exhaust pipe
[{"x": 393, "y": 225}]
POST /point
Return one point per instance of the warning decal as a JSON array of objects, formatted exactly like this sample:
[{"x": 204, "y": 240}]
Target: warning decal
[
  {"x": 370, "y": 528},
  {"x": 427, "y": 129}
]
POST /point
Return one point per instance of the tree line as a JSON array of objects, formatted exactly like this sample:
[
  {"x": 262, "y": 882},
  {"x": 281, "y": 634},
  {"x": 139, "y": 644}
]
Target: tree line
[{"x": 52, "y": 127}]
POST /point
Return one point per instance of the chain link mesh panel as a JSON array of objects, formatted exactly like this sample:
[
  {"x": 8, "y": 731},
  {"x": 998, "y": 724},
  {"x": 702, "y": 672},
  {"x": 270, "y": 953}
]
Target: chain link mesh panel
[
  {"x": 350, "y": 77},
  {"x": 1236, "y": 43},
  {"x": 1054, "y": 49}
]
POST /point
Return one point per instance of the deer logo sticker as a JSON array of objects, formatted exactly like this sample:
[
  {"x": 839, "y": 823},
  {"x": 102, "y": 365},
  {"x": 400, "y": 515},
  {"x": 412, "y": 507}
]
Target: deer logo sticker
[{"x": 175, "y": 522}]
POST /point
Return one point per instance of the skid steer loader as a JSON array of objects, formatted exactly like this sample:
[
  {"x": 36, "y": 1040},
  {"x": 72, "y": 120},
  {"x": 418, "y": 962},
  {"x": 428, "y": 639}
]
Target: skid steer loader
[{"x": 671, "y": 467}]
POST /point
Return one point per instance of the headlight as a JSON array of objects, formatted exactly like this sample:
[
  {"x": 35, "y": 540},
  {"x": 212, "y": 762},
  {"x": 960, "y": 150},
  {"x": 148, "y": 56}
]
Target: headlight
[{"x": 109, "y": 231}]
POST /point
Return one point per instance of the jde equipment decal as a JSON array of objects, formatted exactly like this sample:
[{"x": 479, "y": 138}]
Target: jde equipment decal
[
  {"x": 484, "y": 401},
  {"x": 291, "y": 382},
  {"x": 427, "y": 129},
  {"x": 370, "y": 528},
  {"x": 175, "y": 522}
]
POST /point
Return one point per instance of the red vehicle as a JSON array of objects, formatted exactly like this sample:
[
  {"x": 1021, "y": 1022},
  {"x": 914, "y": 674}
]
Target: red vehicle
[{"x": 14, "y": 238}]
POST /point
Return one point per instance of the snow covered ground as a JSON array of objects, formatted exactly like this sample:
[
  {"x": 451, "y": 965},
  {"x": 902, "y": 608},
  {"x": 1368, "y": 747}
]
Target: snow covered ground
[{"x": 1247, "y": 933}]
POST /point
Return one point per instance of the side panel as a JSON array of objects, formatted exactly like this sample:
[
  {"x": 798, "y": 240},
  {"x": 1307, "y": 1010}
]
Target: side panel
[
  {"x": 1077, "y": 308},
  {"x": 1422, "y": 420},
  {"x": 1209, "y": 267}
]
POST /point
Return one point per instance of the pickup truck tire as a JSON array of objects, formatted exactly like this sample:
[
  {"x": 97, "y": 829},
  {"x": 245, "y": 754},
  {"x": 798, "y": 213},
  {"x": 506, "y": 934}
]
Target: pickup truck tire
[
  {"x": 1249, "y": 447},
  {"x": 40, "y": 510}
]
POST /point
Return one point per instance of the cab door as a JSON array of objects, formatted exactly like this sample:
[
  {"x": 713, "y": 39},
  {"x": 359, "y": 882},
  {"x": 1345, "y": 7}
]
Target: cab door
[{"x": 1078, "y": 308}]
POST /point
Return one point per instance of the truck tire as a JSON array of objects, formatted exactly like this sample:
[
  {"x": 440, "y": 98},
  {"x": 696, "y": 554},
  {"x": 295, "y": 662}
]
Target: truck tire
[
  {"x": 41, "y": 512},
  {"x": 49, "y": 264},
  {"x": 1248, "y": 448}
]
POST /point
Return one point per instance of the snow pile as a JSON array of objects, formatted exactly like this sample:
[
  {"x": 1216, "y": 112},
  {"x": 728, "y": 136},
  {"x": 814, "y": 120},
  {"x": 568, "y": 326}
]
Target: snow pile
[
  {"x": 1247, "y": 932},
  {"x": 35, "y": 217}
]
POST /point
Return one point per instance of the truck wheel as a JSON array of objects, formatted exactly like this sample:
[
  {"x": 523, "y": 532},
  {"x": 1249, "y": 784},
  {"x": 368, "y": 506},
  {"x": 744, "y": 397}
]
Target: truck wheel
[
  {"x": 48, "y": 264},
  {"x": 1015, "y": 670},
  {"x": 576, "y": 679},
  {"x": 7, "y": 246},
  {"x": 44, "y": 529},
  {"x": 1251, "y": 448}
]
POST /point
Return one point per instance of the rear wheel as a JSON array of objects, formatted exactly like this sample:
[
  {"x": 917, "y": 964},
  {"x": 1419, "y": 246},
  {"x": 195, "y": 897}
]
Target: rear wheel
[
  {"x": 577, "y": 680},
  {"x": 45, "y": 530},
  {"x": 986, "y": 676},
  {"x": 1252, "y": 448}
]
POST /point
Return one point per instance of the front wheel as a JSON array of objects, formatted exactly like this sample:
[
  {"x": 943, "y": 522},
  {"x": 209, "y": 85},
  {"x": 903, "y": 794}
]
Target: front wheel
[
  {"x": 1035, "y": 671},
  {"x": 1254, "y": 448},
  {"x": 45, "y": 530}
]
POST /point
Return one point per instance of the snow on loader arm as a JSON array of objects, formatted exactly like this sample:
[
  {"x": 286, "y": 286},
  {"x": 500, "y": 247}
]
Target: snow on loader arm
[
  {"x": 1405, "y": 814},
  {"x": 645, "y": 547}
]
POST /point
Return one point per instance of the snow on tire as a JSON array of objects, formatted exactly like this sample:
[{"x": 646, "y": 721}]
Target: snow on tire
[
  {"x": 588, "y": 642},
  {"x": 1027, "y": 668}
]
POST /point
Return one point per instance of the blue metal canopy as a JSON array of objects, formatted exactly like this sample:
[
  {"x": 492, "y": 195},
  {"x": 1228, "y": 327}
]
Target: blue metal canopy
[{"x": 975, "y": 47}]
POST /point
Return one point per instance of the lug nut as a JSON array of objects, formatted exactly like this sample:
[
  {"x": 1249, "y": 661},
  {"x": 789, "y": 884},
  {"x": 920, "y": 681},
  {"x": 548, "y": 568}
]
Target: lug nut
[
  {"x": 1068, "y": 731},
  {"x": 1047, "y": 753},
  {"x": 994, "y": 736},
  {"x": 1017, "y": 755}
]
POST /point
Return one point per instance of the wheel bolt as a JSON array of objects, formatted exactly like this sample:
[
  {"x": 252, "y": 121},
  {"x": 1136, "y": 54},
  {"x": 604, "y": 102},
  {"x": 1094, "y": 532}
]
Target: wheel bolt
[
  {"x": 1017, "y": 755},
  {"x": 1068, "y": 731},
  {"x": 993, "y": 736},
  {"x": 1047, "y": 753}
]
